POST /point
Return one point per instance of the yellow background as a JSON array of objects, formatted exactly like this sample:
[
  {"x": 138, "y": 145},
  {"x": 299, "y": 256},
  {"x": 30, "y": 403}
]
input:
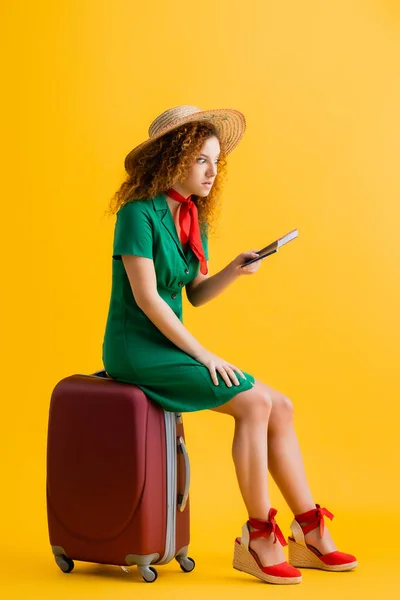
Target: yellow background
[{"x": 319, "y": 85}]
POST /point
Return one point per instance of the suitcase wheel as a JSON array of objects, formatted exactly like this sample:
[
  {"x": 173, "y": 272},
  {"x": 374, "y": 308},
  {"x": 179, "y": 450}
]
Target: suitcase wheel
[
  {"x": 187, "y": 564},
  {"x": 149, "y": 574},
  {"x": 66, "y": 564}
]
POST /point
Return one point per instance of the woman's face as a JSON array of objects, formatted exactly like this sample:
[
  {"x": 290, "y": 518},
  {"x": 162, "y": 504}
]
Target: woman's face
[{"x": 204, "y": 169}]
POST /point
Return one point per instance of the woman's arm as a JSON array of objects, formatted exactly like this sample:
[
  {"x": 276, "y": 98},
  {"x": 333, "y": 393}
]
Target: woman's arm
[
  {"x": 204, "y": 288},
  {"x": 210, "y": 287},
  {"x": 164, "y": 318},
  {"x": 142, "y": 278}
]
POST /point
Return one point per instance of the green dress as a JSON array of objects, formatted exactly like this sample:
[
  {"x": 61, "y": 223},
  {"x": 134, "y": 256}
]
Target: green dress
[{"x": 134, "y": 350}]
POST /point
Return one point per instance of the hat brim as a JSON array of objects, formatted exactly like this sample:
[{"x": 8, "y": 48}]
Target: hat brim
[{"x": 230, "y": 124}]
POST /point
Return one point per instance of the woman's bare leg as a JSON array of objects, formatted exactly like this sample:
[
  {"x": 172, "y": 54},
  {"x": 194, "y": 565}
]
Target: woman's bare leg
[
  {"x": 249, "y": 453},
  {"x": 286, "y": 464},
  {"x": 251, "y": 411}
]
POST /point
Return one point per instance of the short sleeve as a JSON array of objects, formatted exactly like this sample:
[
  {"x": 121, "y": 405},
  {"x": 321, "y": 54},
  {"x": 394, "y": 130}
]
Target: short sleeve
[
  {"x": 133, "y": 233},
  {"x": 204, "y": 240}
]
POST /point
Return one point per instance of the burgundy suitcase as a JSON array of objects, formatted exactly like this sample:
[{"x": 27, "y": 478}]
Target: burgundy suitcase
[{"x": 118, "y": 477}]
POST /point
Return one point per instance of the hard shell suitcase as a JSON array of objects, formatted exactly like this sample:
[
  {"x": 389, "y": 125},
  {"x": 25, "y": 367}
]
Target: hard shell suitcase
[{"x": 118, "y": 477}]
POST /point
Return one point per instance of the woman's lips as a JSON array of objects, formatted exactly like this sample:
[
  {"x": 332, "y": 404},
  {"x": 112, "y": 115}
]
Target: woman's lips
[{"x": 209, "y": 184}]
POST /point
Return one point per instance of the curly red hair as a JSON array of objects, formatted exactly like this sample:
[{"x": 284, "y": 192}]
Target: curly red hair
[{"x": 167, "y": 160}]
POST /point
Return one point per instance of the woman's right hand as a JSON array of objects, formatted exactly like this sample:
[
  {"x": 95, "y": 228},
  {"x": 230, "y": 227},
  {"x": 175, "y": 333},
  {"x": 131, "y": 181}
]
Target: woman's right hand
[{"x": 214, "y": 363}]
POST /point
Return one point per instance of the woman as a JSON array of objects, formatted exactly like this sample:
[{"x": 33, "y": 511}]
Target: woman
[{"x": 165, "y": 209}]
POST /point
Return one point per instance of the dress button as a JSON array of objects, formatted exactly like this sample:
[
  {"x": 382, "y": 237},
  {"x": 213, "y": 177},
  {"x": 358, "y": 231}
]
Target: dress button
[
  {"x": 180, "y": 283},
  {"x": 186, "y": 271},
  {"x": 173, "y": 296}
]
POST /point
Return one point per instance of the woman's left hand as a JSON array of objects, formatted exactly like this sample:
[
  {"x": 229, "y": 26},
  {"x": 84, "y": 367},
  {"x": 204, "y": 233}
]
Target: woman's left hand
[{"x": 243, "y": 258}]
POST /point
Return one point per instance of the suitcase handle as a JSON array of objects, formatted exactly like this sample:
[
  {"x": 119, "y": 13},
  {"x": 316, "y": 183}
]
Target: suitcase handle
[{"x": 182, "y": 498}]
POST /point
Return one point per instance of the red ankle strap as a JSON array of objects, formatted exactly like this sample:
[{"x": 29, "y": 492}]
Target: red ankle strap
[
  {"x": 314, "y": 518},
  {"x": 265, "y": 528}
]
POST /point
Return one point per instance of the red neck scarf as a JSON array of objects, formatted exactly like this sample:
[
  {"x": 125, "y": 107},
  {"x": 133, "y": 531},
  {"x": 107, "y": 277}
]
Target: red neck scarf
[{"x": 189, "y": 224}]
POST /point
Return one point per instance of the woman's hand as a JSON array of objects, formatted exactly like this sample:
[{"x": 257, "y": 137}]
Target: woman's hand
[
  {"x": 243, "y": 258},
  {"x": 214, "y": 363}
]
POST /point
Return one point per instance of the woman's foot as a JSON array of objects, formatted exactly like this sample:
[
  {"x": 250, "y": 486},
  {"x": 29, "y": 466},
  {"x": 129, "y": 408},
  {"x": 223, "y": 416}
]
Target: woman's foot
[
  {"x": 269, "y": 551},
  {"x": 259, "y": 552},
  {"x": 324, "y": 544},
  {"x": 311, "y": 544}
]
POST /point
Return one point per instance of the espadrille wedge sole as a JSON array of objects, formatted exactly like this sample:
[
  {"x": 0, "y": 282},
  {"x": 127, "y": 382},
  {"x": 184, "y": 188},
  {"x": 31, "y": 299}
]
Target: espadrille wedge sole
[
  {"x": 244, "y": 561},
  {"x": 302, "y": 557}
]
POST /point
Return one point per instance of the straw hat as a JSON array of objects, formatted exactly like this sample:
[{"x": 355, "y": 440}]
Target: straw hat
[{"x": 230, "y": 125}]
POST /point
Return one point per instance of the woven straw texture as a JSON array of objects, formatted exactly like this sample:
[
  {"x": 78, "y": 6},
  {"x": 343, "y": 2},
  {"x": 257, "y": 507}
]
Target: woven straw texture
[
  {"x": 302, "y": 557},
  {"x": 230, "y": 124},
  {"x": 243, "y": 561}
]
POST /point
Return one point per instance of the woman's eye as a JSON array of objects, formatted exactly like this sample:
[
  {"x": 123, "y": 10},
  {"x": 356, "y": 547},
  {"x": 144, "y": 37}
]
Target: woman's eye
[{"x": 217, "y": 161}]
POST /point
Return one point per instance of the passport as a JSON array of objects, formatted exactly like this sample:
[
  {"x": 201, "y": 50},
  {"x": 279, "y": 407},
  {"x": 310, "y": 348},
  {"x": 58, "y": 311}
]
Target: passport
[{"x": 273, "y": 247}]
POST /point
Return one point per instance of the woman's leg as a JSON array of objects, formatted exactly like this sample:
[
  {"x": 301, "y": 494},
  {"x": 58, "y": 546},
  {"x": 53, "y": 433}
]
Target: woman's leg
[
  {"x": 285, "y": 461},
  {"x": 251, "y": 410},
  {"x": 249, "y": 449},
  {"x": 286, "y": 464}
]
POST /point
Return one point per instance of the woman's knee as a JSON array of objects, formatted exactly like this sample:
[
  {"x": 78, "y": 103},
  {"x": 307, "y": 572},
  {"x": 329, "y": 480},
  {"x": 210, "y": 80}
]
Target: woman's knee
[
  {"x": 282, "y": 406},
  {"x": 253, "y": 405},
  {"x": 261, "y": 407},
  {"x": 282, "y": 411}
]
